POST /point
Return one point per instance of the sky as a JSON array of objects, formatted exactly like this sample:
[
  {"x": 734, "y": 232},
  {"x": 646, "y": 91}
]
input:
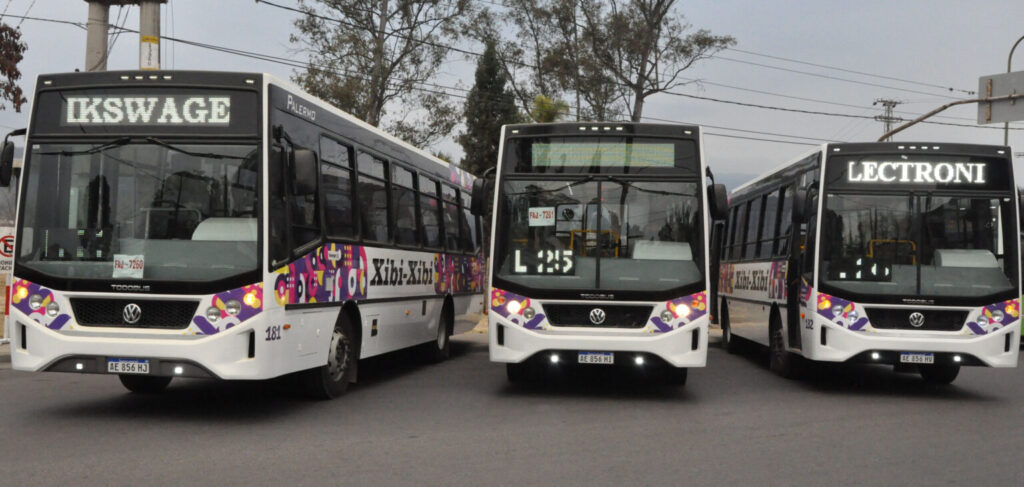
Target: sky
[{"x": 914, "y": 50}]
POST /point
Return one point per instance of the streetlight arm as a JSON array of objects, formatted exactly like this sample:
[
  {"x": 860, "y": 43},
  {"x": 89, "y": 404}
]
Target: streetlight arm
[{"x": 943, "y": 107}]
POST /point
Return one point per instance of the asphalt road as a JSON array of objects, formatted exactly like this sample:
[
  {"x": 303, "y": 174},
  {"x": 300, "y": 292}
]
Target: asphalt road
[{"x": 461, "y": 423}]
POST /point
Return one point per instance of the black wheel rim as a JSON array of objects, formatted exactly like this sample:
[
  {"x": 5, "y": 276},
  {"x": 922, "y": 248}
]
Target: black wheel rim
[{"x": 337, "y": 364}]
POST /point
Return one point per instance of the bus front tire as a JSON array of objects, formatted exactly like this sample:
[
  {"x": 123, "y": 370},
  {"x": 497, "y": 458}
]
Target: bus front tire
[
  {"x": 439, "y": 349},
  {"x": 780, "y": 360},
  {"x": 144, "y": 384},
  {"x": 939, "y": 374},
  {"x": 331, "y": 380},
  {"x": 729, "y": 342}
]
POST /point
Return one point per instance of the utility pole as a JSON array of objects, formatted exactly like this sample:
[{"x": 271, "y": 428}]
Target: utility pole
[
  {"x": 98, "y": 27},
  {"x": 887, "y": 117}
]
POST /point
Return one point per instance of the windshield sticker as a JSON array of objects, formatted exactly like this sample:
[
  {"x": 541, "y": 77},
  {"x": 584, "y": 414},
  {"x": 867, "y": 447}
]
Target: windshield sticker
[
  {"x": 128, "y": 266},
  {"x": 542, "y": 216}
]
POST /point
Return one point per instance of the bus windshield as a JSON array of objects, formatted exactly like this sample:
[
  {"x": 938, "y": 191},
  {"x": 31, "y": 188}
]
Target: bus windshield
[
  {"x": 608, "y": 235},
  {"x": 153, "y": 210},
  {"x": 927, "y": 245}
]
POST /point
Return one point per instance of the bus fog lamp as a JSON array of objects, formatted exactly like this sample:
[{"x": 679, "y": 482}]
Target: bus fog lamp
[
  {"x": 529, "y": 313},
  {"x": 233, "y": 307},
  {"x": 875, "y": 356},
  {"x": 957, "y": 359},
  {"x": 639, "y": 360},
  {"x": 667, "y": 316},
  {"x": 554, "y": 358},
  {"x": 513, "y": 307},
  {"x": 53, "y": 309},
  {"x": 178, "y": 370},
  {"x": 35, "y": 301},
  {"x": 213, "y": 314}
]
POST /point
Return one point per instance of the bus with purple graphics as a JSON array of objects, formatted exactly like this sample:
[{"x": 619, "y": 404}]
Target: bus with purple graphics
[
  {"x": 230, "y": 226},
  {"x": 600, "y": 248},
  {"x": 903, "y": 254}
]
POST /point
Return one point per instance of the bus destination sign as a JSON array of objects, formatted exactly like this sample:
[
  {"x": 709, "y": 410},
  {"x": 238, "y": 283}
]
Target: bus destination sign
[
  {"x": 178, "y": 110},
  {"x": 604, "y": 154},
  {"x": 907, "y": 172}
]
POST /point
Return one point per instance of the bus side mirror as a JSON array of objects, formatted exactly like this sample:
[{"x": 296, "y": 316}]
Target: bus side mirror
[
  {"x": 304, "y": 167},
  {"x": 718, "y": 200},
  {"x": 799, "y": 207},
  {"x": 6, "y": 164},
  {"x": 477, "y": 204}
]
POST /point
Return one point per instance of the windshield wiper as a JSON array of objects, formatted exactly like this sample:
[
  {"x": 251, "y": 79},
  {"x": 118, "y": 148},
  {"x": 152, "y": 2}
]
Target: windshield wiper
[
  {"x": 92, "y": 150},
  {"x": 208, "y": 155}
]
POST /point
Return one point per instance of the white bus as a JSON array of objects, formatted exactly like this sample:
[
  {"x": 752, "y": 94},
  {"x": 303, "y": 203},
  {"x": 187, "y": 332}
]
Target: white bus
[
  {"x": 228, "y": 225},
  {"x": 600, "y": 248},
  {"x": 904, "y": 254}
]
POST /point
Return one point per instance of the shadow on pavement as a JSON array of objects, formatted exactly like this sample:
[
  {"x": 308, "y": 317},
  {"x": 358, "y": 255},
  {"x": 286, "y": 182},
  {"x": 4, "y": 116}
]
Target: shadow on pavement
[
  {"x": 597, "y": 381},
  {"x": 861, "y": 379},
  {"x": 240, "y": 401}
]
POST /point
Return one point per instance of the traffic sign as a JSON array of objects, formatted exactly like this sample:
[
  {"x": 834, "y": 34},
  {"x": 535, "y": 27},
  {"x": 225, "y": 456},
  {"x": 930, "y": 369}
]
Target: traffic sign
[{"x": 1001, "y": 85}]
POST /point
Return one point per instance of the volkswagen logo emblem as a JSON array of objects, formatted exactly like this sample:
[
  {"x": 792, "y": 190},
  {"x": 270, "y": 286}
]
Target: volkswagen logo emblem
[
  {"x": 916, "y": 319},
  {"x": 597, "y": 316},
  {"x": 131, "y": 314}
]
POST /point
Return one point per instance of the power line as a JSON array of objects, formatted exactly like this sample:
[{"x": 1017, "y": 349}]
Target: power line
[
  {"x": 892, "y": 78},
  {"x": 29, "y": 9},
  {"x": 825, "y": 76},
  {"x": 815, "y": 112},
  {"x": 759, "y": 139}
]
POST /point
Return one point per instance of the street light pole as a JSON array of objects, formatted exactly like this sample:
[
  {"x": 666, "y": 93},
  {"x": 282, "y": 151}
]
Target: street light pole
[{"x": 1009, "y": 60}]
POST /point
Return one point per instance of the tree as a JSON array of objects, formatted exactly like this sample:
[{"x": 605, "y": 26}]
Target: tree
[
  {"x": 489, "y": 105},
  {"x": 12, "y": 51},
  {"x": 367, "y": 54},
  {"x": 643, "y": 46},
  {"x": 547, "y": 110}
]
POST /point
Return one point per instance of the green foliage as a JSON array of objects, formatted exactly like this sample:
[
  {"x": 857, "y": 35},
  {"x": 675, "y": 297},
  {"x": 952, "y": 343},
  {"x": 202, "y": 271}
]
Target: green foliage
[
  {"x": 489, "y": 105},
  {"x": 12, "y": 51},
  {"x": 369, "y": 55},
  {"x": 548, "y": 110}
]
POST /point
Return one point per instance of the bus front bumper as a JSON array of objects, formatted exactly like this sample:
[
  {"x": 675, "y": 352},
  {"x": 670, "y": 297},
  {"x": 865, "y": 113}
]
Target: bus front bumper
[
  {"x": 229, "y": 354},
  {"x": 997, "y": 349},
  {"x": 686, "y": 346}
]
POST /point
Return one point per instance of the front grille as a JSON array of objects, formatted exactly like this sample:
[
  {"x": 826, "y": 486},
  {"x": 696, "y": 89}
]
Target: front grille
[
  {"x": 616, "y": 316},
  {"x": 899, "y": 319},
  {"x": 155, "y": 313}
]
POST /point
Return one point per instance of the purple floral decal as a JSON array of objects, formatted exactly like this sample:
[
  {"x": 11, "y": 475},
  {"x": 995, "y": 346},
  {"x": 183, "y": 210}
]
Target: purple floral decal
[
  {"x": 994, "y": 317},
  {"x": 684, "y": 311},
  {"x": 22, "y": 291},
  {"x": 251, "y": 299},
  {"x": 847, "y": 311},
  {"x": 499, "y": 304}
]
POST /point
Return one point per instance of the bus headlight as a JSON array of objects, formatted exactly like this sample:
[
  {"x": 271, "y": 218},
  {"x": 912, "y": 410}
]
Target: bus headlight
[
  {"x": 233, "y": 307},
  {"x": 53, "y": 309},
  {"x": 997, "y": 316},
  {"x": 667, "y": 316},
  {"x": 837, "y": 311},
  {"x": 213, "y": 314},
  {"x": 35, "y": 301},
  {"x": 983, "y": 320},
  {"x": 513, "y": 307},
  {"x": 529, "y": 313},
  {"x": 853, "y": 316}
]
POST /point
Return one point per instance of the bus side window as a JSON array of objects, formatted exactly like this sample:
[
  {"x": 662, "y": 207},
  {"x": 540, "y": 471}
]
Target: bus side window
[
  {"x": 753, "y": 225},
  {"x": 769, "y": 227},
  {"x": 809, "y": 241},
  {"x": 451, "y": 217},
  {"x": 305, "y": 218},
  {"x": 785, "y": 220},
  {"x": 430, "y": 213},
  {"x": 336, "y": 181},
  {"x": 279, "y": 235},
  {"x": 373, "y": 198}
]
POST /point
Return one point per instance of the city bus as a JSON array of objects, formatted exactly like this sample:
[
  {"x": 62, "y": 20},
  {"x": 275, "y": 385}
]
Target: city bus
[
  {"x": 229, "y": 226},
  {"x": 599, "y": 248},
  {"x": 905, "y": 254}
]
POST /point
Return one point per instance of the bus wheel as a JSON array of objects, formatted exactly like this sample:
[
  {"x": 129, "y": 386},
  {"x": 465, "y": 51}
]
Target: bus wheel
[
  {"x": 144, "y": 384},
  {"x": 331, "y": 380},
  {"x": 676, "y": 376},
  {"x": 729, "y": 342},
  {"x": 780, "y": 360},
  {"x": 939, "y": 374},
  {"x": 517, "y": 372},
  {"x": 440, "y": 348}
]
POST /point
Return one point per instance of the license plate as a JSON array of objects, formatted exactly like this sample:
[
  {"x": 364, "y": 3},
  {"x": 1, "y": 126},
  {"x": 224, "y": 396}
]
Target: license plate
[
  {"x": 917, "y": 358},
  {"x": 604, "y": 358},
  {"x": 127, "y": 366}
]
